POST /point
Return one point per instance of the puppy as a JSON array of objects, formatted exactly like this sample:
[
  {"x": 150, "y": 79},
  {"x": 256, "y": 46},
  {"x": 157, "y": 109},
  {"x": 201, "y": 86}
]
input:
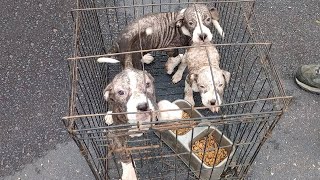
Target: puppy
[
  {"x": 199, "y": 79},
  {"x": 131, "y": 91},
  {"x": 169, "y": 115},
  {"x": 163, "y": 30}
]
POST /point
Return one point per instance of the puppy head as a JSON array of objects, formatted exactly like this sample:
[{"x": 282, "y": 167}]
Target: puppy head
[
  {"x": 197, "y": 21},
  {"x": 210, "y": 95},
  {"x": 129, "y": 93}
]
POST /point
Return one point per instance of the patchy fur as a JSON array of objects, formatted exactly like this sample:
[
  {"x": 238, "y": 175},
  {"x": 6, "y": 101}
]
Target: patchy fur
[
  {"x": 165, "y": 30},
  {"x": 200, "y": 79}
]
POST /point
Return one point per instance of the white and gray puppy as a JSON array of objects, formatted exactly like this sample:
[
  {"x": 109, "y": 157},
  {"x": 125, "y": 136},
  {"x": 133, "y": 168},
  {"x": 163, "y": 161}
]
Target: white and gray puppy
[
  {"x": 200, "y": 79},
  {"x": 165, "y": 30},
  {"x": 131, "y": 91}
]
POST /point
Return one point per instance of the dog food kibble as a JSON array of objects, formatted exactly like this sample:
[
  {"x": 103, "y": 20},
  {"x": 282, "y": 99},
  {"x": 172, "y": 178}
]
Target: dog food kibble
[
  {"x": 183, "y": 131},
  {"x": 212, "y": 155},
  {"x": 185, "y": 115}
]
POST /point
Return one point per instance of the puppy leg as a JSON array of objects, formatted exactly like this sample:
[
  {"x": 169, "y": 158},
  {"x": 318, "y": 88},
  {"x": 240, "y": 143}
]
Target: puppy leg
[
  {"x": 178, "y": 75},
  {"x": 128, "y": 172},
  {"x": 120, "y": 146},
  {"x": 147, "y": 58},
  {"x": 136, "y": 134},
  {"x": 108, "y": 118},
  {"x": 172, "y": 63},
  {"x": 188, "y": 93}
]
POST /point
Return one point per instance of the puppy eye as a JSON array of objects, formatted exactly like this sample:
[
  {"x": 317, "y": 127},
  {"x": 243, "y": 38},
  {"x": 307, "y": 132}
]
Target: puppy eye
[
  {"x": 202, "y": 86},
  {"x": 148, "y": 85},
  {"x": 190, "y": 23},
  {"x": 120, "y": 92},
  {"x": 220, "y": 85}
]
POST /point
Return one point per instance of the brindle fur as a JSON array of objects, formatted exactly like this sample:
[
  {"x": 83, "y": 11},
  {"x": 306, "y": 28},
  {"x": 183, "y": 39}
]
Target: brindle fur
[
  {"x": 166, "y": 32},
  {"x": 119, "y": 103}
]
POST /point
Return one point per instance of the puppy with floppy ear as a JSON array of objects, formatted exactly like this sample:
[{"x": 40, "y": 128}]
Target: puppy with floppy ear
[
  {"x": 130, "y": 91},
  {"x": 215, "y": 20},
  {"x": 205, "y": 75},
  {"x": 164, "y": 30},
  {"x": 195, "y": 22}
]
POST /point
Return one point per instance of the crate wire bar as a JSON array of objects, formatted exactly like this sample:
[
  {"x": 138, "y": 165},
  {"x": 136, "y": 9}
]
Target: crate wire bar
[{"x": 254, "y": 100}]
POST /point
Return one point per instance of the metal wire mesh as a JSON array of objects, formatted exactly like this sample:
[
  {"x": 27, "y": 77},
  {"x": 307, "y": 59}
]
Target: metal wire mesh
[{"x": 254, "y": 101}]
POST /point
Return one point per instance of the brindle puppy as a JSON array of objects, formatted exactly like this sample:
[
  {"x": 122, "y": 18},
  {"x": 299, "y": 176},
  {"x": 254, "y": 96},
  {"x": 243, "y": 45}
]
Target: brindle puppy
[
  {"x": 165, "y": 30},
  {"x": 130, "y": 91}
]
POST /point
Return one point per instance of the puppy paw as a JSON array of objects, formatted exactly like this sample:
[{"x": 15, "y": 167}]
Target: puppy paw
[
  {"x": 172, "y": 63},
  {"x": 176, "y": 77},
  {"x": 108, "y": 118},
  {"x": 215, "y": 109},
  {"x": 169, "y": 69},
  {"x": 147, "y": 58},
  {"x": 128, "y": 172},
  {"x": 190, "y": 100},
  {"x": 136, "y": 135}
]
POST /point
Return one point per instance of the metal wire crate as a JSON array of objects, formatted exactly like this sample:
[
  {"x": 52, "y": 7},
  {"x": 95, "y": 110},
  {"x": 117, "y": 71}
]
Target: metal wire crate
[{"x": 254, "y": 101}]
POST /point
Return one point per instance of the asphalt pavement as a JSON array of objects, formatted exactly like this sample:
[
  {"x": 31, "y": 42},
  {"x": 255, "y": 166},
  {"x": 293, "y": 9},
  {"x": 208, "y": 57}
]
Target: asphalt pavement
[{"x": 36, "y": 38}]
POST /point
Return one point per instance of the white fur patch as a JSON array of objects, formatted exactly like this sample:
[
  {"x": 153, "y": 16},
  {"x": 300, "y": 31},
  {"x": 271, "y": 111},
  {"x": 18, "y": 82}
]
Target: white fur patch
[
  {"x": 106, "y": 95},
  {"x": 135, "y": 99},
  {"x": 136, "y": 134},
  {"x": 200, "y": 28},
  {"x": 183, "y": 10},
  {"x": 147, "y": 58},
  {"x": 194, "y": 87},
  {"x": 169, "y": 115},
  {"x": 149, "y": 31},
  {"x": 218, "y": 27},
  {"x": 143, "y": 127},
  {"x": 108, "y": 118},
  {"x": 185, "y": 31},
  {"x": 132, "y": 80},
  {"x": 210, "y": 95},
  {"x": 131, "y": 104},
  {"x": 188, "y": 94},
  {"x": 172, "y": 62},
  {"x": 107, "y": 60},
  {"x": 179, "y": 73},
  {"x": 128, "y": 172},
  {"x": 150, "y": 105}
]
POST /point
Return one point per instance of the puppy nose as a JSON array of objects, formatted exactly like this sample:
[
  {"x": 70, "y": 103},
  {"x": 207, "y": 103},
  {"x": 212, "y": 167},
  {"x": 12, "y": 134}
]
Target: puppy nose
[
  {"x": 142, "y": 106},
  {"x": 213, "y": 102},
  {"x": 203, "y": 36}
]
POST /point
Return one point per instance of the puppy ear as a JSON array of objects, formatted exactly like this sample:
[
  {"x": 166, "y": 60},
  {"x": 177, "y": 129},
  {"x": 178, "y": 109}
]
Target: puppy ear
[
  {"x": 107, "y": 91},
  {"x": 214, "y": 13},
  {"x": 194, "y": 77},
  {"x": 179, "y": 19},
  {"x": 215, "y": 17},
  {"x": 226, "y": 76}
]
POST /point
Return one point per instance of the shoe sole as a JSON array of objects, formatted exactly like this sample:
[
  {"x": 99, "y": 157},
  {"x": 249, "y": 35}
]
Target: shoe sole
[{"x": 308, "y": 88}]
